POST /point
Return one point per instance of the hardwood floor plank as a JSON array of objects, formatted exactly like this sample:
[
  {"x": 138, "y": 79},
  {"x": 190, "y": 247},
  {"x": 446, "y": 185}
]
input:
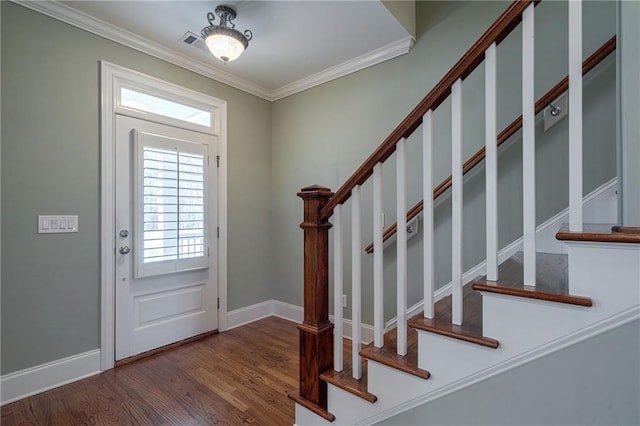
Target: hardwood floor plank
[{"x": 240, "y": 377}]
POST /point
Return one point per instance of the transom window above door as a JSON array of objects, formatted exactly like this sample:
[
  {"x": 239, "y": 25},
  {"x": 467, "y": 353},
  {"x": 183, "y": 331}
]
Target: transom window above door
[
  {"x": 135, "y": 99},
  {"x": 144, "y": 102}
]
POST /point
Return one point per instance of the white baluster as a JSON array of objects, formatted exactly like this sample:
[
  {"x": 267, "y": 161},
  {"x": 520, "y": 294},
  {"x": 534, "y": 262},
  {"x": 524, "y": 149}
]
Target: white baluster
[
  {"x": 427, "y": 212},
  {"x": 378, "y": 290},
  {"x": 401, "y": 243},
  {"x": 528, "y": 148},
  {"x": 338, "y": 286},
  {"x": 456, "y": 203},
  {"x": 575, "y": 115},
  {"x": 356, "y": 281},
  {"x": 491, "y": 162}
]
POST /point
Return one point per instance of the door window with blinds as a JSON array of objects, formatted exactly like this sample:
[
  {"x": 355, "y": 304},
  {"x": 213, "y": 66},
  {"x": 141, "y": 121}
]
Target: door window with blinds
[{"x": 170, "y": 205}]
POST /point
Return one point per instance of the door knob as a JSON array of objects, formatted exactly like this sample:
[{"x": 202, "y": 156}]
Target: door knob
[{"x": 124, "y": 250}]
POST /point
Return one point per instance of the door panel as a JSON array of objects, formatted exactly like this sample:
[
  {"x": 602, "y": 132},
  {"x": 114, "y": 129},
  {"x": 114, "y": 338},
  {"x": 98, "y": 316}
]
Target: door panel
[{"x": 176, "y": 298}]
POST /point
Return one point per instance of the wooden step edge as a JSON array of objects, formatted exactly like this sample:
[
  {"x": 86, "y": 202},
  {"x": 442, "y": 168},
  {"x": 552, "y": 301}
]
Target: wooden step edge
[
  {"x": 600, "y": 234},
  {"x": 533, "y": 294},
  {"x": 420, "y": 324},
  {"x": 345, "y": 381},
  {"x": 295, "y": 397},
  {"x": 394, "y": 363},
  {"x": 633, "y": 230}
]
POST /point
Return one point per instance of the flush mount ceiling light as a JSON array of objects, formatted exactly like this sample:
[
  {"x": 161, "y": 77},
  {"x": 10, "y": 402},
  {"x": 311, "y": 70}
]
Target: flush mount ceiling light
[{"x": 223, "y": 40}]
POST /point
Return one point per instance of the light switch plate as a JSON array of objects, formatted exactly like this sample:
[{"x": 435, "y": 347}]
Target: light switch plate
[{"x": 48, "y": 224}]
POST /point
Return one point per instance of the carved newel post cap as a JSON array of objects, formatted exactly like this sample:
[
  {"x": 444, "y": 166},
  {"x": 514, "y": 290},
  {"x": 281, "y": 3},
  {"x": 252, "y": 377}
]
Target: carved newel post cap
[
  {"x": 315, "y": 188},
  {"x": 315, "y": 191}
]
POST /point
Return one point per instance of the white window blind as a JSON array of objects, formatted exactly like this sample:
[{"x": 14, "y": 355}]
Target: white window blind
[{"x": 171, "y": 205}]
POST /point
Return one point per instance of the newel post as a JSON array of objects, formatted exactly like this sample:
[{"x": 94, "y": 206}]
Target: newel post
[{"x": 316, "y": 332}]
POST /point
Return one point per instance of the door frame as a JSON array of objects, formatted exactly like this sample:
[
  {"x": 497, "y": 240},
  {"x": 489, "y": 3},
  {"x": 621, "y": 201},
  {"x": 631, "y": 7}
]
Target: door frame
[{"x": 112, "y": 77}]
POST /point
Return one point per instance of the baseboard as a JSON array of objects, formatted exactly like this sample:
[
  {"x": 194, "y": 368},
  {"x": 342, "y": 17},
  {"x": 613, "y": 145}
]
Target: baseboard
[
  {"x": 615, "y": 321},
  {"x": 288, "y": 311},
  {"x": 34, "y": 380},
  {"x": 248, "y": 314},
  {"x": 268, "y": 308}
]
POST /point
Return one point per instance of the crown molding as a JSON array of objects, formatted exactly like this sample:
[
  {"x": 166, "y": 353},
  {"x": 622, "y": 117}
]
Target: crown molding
[
  {"x": 71, "y": 16},
  {"x": 374, "y": 57},
  {"x": 111, "y": 32}
]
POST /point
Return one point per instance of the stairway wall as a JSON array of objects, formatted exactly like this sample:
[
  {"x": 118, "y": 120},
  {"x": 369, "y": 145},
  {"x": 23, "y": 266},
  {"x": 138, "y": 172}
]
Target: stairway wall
[
  {"x": 323, "y": 134},
  {"x": 594, "y": 382},
  {"x": 629, "y": 131}
]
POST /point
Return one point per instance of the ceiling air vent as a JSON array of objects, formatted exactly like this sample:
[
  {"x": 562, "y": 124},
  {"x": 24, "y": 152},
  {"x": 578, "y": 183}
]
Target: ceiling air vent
[{"x": 193, "y": 40}]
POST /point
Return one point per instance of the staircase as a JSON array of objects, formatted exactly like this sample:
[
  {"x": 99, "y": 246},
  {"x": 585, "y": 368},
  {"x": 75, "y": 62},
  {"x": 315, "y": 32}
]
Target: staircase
[{"x": 519, "y": 304}]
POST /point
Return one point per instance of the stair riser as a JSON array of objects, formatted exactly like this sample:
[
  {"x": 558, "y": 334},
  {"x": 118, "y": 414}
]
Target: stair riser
[
  {"x": 350, "y": 407},
  {"x": 608, "y": 273},
  {"x": 521, "y": 324},
  {"x": 305, "y": 417},
  {"x": 453, "y": 359},
  {"x": 393, "y": 386}
]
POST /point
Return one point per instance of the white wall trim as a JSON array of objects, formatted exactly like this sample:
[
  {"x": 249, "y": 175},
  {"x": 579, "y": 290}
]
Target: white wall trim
[
  {"x": 552, "y": 224},
  {"x": 34, "y": 380},
  {"x": 249, "y": 314},
  {"x": 374, "y": 57},
  {"x": 583, "y": 334},
  {"x": 110, "y": 77},
  {"x": 67, "y": 14},
  {"x": 288, "y": 311},
  {"x": 71, "y": 16}
]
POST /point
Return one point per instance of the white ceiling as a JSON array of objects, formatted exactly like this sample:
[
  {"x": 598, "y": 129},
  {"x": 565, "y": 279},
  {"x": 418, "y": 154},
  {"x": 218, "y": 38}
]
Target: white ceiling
[{"x": 296, "y": 44}]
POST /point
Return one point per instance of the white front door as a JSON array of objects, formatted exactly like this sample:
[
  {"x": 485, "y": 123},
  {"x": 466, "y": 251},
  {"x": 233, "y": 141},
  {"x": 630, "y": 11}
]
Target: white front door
[{"x": 166, "y": 274}]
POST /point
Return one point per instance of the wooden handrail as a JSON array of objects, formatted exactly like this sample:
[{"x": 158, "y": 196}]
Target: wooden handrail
[
  {"x": 593, "y": 60},
  {"x": 465, "y": 66}
]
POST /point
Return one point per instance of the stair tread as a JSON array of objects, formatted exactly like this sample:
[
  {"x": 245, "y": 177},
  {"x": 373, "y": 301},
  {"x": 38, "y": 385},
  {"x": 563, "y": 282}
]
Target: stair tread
[
  {"x": 604, "y": 233},
  {"x": 388, "y": 355},
  {"x": 344, "y": 380},
  {"x": 552, "y": 280},
  {"x": 322, "y": 412},
  {"x": 471, "y": 328}
]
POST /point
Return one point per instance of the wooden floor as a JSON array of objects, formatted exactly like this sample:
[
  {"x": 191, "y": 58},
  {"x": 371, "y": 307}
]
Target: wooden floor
[{"x": 238, "y": 377}]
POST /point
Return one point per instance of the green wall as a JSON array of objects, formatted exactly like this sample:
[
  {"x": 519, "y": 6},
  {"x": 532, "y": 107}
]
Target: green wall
[
  {"x": 629, "y": 112},
  {"x": 50, "y": 165},
  {"x": 322, "y": 135}
]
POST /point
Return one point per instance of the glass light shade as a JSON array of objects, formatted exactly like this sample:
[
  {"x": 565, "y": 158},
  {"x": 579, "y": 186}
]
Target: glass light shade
[{"x": 224, "y": 47}]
